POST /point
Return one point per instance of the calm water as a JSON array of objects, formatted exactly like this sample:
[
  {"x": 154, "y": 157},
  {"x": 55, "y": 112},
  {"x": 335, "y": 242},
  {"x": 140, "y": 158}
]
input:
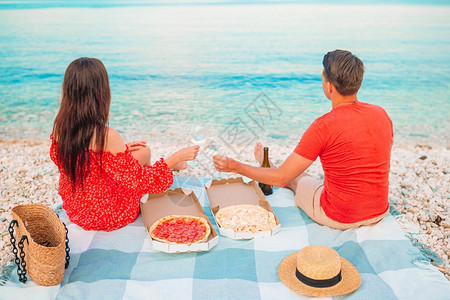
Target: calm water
[{"x": 172, "y": 66}]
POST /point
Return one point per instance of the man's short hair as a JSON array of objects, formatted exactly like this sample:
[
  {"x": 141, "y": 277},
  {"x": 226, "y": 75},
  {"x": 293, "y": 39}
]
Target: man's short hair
[{"x": 344, "y": 70}]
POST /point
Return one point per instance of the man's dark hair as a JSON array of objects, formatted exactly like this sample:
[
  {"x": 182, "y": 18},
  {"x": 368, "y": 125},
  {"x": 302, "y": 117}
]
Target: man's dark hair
[{"x": 344, "y": 70}]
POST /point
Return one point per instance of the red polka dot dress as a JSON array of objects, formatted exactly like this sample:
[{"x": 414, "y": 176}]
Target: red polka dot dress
[{"x": 110, "y": 194}]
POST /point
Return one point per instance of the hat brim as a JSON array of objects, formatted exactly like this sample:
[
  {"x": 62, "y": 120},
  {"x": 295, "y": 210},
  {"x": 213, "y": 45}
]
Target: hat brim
[{"x": 350, "y": 281}]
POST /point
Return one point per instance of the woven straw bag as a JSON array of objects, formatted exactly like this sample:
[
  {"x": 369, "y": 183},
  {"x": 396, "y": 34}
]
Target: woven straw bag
[{"x": 43, "y": 244}]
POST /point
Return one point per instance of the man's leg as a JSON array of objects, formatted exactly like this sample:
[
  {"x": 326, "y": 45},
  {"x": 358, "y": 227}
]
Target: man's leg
[
  {"x": 307, "y": 191},
  {"x": 259, "y": 154},
  {"x": 294, "y": 183}
]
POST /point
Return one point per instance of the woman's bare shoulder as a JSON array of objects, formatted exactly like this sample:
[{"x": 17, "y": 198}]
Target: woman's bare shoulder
[{"x": 114, "y": 142}]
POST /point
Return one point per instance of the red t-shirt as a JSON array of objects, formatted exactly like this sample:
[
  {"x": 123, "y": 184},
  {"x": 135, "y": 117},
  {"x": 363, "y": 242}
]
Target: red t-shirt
[{"x": 354, "y": 145}]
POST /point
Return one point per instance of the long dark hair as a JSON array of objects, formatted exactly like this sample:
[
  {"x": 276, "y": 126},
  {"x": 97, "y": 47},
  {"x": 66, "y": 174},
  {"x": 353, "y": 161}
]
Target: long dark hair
[{"x": 83, "y": 114}]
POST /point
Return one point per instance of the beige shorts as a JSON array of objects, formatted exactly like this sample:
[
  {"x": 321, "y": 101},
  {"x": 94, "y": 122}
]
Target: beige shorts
[{"x": 307, "y": 197}]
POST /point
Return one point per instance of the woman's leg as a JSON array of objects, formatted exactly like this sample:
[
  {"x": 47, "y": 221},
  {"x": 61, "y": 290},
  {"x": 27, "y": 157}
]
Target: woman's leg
[
  {"x": 180, "y": 166},
  {"x": 143, "y": 155}
]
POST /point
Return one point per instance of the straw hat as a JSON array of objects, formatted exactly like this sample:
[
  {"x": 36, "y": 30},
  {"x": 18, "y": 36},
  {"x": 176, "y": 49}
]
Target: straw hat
[{"x": 314, "y": 271}]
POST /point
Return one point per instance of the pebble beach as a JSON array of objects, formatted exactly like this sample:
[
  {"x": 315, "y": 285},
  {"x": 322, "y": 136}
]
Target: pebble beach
[{"x": 419, "y": 188}]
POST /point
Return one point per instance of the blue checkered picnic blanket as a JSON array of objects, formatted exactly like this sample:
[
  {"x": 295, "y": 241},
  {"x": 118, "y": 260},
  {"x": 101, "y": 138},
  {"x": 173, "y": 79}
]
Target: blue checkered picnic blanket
[{"x": 122, "y": 265}]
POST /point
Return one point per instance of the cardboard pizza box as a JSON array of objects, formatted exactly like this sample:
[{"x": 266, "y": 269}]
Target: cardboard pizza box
[
  {"x": 234, "y": 191},
  {"x": 180, "y": 201}
]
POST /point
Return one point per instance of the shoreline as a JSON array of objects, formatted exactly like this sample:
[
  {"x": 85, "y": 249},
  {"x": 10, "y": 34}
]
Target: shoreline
[{"x": 419, "y": 187}]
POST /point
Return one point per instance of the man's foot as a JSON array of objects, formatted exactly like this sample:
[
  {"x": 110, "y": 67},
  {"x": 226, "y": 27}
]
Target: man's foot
[
  {"x": 259, "y": 153},
  {"x": 180, "y": 166}
]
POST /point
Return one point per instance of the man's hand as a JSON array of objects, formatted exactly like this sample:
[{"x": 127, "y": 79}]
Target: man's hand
[
  {"x": 223, "y": 163},
  {"x": 292, "y": 167}
]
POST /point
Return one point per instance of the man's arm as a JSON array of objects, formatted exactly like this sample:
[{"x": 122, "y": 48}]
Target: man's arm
[{"x": 292, "y": 167}]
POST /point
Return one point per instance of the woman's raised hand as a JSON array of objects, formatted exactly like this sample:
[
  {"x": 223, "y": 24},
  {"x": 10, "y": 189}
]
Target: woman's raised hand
[
  {"x": 188, "y": 153},
  {"x": 185, "y": 154}
]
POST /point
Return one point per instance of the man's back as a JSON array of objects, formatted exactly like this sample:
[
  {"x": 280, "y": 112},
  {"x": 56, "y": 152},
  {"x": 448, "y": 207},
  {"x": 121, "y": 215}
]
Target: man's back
[{"x": 354, "y": 143}]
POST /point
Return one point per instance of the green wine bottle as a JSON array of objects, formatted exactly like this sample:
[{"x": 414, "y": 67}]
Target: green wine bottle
[{"x": 266, "y": 188}]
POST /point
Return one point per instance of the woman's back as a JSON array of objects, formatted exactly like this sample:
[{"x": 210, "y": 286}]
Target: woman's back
[
  {"x": 101, "y": 179},
  {"x": 100, "y": 182},
  {"x": 108, "y": 196}
]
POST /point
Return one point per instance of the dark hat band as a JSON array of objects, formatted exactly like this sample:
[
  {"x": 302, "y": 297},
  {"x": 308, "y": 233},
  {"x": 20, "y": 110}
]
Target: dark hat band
[{"x": 322, "y": 283}]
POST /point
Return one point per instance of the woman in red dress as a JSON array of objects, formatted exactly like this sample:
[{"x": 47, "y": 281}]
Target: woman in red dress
[{"x": 102, "y": 179}]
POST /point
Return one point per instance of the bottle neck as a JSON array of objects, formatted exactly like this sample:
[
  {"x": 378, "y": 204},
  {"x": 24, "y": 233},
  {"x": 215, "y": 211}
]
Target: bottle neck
[{"x": 266, "y": 158}]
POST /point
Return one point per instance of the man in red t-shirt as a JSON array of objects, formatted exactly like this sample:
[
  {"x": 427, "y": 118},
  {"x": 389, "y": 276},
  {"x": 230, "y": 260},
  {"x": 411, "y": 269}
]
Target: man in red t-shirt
[{"x": 353, "y": 141}]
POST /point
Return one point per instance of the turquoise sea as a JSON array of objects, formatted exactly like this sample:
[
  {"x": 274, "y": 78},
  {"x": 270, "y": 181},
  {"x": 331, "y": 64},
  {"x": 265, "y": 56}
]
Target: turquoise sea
[{"x": 179, "y": 63}]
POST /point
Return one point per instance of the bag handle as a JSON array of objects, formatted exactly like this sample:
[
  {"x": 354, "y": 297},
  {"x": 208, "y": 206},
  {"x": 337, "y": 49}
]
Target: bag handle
[
  {"x": 22, "y": 258},
  {"x": 67, "y": 247},
  {"x": 20, "y": 262}
]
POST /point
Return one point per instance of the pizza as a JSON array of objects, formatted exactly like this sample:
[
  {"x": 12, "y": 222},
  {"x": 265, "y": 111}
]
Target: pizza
[
  {"x": 245, "y": 218},
  {"x": 179, "y": 229}
]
